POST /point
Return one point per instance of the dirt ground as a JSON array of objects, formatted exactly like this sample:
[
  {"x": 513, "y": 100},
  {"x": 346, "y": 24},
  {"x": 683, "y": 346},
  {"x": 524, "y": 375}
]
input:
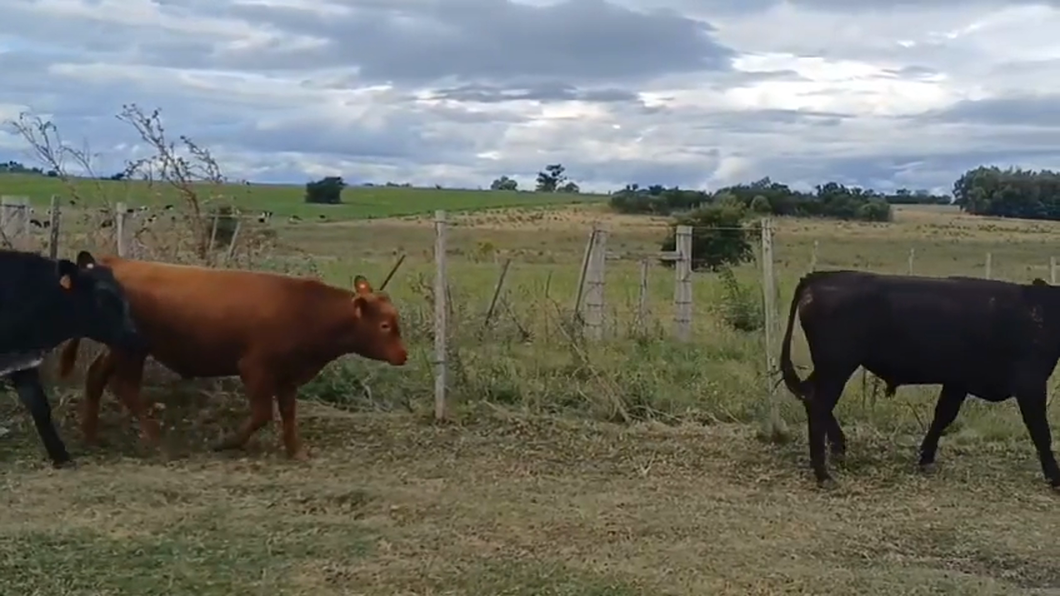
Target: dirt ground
[{"x": 498, "y": 504}]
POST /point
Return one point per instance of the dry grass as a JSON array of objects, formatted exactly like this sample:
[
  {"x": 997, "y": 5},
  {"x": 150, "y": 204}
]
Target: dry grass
[
  {"x": 392, "y": 504},
  {"x": 533, "y": 489}
]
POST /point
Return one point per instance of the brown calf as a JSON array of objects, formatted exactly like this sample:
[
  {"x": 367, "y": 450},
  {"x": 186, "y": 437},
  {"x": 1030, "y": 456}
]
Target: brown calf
[{"x": 275, "y": 332}]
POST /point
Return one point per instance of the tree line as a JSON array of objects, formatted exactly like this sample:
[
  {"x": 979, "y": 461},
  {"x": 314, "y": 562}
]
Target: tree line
[
  {"x": 765, "y": 196},
  {"x": 1010, "y": 192}
]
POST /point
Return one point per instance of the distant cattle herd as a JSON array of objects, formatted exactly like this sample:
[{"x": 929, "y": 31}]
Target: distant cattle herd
[
  {"x": 147, "y": 216},
  {"x": 990, "y": 339}
]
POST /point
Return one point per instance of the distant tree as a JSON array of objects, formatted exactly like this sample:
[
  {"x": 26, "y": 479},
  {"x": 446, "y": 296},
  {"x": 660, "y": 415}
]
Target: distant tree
[
  {"x": 1012, "y": 192},
  {"x": 327, "y": 190},
  {"x": 831, "y": 199},
  {"x": 570, "y": 187},
  {"x": 15, "y": 167},
  {"x": 552, "y": 178},
  {"x": 504, "y": 183}
]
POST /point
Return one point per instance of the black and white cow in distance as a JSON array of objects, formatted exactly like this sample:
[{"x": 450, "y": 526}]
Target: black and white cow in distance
[
  {"x": 44, "y": 302},
  {"x": 991, "y": 339}
]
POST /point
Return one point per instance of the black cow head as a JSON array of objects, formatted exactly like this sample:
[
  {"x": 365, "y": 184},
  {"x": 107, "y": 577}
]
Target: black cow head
[{"x": 100, "y": 306}]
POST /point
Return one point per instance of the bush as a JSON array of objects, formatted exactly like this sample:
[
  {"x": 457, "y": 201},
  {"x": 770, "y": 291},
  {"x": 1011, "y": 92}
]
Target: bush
[
  {"x": 719, "y": 236},
  {"x": 656, "y": 200},
  {"x": 741, "y": 307},
  {"x": 326, "y": 191},
  {"x": 875, "y": 210}
]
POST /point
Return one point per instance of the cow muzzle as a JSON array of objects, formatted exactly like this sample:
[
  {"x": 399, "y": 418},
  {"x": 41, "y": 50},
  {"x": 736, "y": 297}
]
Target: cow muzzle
[{"x": 398, "y": 357}]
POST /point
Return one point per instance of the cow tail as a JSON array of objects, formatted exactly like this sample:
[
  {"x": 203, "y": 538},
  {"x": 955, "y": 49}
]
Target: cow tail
[
  {"x": 787, "y": 368},
  {"x": 68, "y": 357}
]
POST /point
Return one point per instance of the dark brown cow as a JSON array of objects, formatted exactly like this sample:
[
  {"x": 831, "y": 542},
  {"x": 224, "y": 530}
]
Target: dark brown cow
[
  {"x": 991, "y": 339},
  {"x": 274, "y": 331}
]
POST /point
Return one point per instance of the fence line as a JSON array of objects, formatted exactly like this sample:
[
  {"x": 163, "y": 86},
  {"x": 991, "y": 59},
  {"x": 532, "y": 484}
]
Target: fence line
[{"x": 589, "y": 306}]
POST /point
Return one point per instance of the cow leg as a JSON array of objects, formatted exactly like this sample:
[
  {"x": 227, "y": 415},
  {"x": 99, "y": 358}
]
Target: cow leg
[
  {"x": 1031, "y": 401},
  {"x": 837, "y": 440},
  {"x": 946, "y": 409},
  {"x": 31, "y": 394},
  {"x": 260, "y": 389},
  {"x": 125, "y": 383},
  {"x": 287, "y": 399},
  {"x": 95, "y": 381},
  {"x": 819, "y": 418}
]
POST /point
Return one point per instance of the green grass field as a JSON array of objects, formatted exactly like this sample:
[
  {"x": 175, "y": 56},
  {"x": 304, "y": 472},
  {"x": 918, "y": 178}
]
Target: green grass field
[
  {"x": 286, "y": 200},
  {"x": 628, "y": 466}
]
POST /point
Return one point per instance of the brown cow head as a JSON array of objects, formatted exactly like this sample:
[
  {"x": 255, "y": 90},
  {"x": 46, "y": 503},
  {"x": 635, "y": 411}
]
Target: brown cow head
[{"x": 377, "y": 324}]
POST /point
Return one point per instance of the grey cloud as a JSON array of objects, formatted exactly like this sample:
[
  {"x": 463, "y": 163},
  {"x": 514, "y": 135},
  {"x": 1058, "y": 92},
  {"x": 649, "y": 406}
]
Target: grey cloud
[
  {"x": 402, "y": 140},
  {"x": 912, "y": 72},
  {"x": 546, "y": 92},
  {"x": 936, "y": 171},
  {"x": 1031, "y": 110},
  {"x": 644, "y": 172},
  {"x": 590, "y": 40}
]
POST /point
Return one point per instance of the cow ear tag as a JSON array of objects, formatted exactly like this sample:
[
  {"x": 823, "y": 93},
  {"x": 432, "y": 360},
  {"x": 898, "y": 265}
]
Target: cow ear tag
[
  {"x": 64, "y": 281},
  {"x": 361, "y": 285}
]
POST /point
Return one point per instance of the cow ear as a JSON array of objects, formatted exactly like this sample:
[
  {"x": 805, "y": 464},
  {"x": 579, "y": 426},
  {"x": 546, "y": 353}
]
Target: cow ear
[
  {"x": 361, "y": 285},
  {"x": 85, "y": 260},
  {"x": 1038, "y": 282},
  {"x": 359, "y": 305},
  {"x": 67, "y": 272}
]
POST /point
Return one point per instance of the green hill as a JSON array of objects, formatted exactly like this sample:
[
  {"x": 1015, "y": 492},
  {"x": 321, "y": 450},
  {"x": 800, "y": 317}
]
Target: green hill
[{"x": 357, "y": 201}]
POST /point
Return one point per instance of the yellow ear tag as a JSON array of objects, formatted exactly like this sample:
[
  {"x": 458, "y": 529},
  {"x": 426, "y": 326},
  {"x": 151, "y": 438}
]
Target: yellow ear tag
[{"x": 64, "y": 281}]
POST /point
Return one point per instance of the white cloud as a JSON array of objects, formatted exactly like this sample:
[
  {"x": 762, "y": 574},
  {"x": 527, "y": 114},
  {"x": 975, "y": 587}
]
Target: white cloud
[{"x": 462, "y": 91}]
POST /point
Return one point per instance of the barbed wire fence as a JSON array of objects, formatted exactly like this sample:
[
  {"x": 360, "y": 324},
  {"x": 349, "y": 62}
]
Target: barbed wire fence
[{"x": 25, "y": 229}]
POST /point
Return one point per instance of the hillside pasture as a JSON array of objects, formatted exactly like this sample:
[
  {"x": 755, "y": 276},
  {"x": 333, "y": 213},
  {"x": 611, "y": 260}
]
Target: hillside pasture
[
  {"x": 627, "y": 466},
  {"x": 286, "y": 200}
]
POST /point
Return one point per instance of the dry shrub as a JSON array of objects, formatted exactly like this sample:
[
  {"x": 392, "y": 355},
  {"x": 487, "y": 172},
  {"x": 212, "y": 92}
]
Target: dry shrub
[{"x": 202, "y": 225}]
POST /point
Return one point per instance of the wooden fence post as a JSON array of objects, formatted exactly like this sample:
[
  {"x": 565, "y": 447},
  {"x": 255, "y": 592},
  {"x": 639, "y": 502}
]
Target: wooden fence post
[
  {"x": 1052, "y": 271},
  {"x": 989, "y": 265},
  {"x": 14, "y": 220},
  {"x": 580, "y": 293},
  {"x": 594, "y": 284},
  {"x": 774, "y": 423},
  {"x": 119, "y": 230},
  {"x": 53, "y": 227},
  {"x": 683, "y": 284},
  {"x": 813, "y": 258},
  {"x": 912, "y": 257},
  {"x": 440, "y": 312}
]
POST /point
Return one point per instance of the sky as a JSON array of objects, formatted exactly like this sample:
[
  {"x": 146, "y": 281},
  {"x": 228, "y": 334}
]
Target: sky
[{"x": 695, "y": 93}]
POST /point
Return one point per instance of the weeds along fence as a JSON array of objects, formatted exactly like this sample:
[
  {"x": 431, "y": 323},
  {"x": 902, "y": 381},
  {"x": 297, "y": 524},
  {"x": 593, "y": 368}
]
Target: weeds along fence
[{"x": 553, "y": 315}]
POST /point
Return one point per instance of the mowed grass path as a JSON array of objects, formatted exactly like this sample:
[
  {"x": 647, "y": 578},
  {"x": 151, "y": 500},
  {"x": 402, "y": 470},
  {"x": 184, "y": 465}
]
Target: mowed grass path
[
  {"x": 393, "y": 504},
  {"x": 285, "y": 200}
]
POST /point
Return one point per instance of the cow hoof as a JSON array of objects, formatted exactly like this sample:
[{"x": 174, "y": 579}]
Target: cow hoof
[
  {"x": 928, "y": 468},
  {"x": 1055, "y": 485},
  {"x": 67, "y": 464},
  {"x": 839, "y": 457},
  {"x": 827, "y": 484}
]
